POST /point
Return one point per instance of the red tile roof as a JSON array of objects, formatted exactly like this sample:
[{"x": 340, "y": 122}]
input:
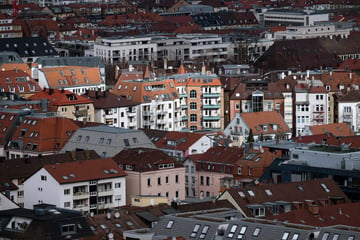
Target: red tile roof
[
  {"x": 145, "y": 159},
  {"x": 86, "y": 170},
  {"x": 106, "y": 99},
  {"x": 256, "y": 121},
  {"x": 340, "y": 214},
  {"x": 183, "y": 140},
  {"x": 56, "y": 98},
  {"x": 336, "y": 129},
  {"x": 350, "y": 64},
  {"x": 74, "y": 76},
  {"x": 19, "y": 82},
  {"x": 44, "y": 134}
]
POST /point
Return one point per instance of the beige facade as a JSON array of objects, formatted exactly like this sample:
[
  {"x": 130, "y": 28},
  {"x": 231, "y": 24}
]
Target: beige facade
[
  {"x": 149, "y": 200},
  {"x": 81, "y": 112}
]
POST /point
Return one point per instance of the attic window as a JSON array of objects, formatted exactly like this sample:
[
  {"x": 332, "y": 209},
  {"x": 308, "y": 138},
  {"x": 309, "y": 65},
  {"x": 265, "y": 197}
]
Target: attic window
[
  {"x": 326, "y": 189},
  {"x": 68, "y": 229},
  {"x": 256, "y": 232},
  {"x": 251, "y": 193},
  {"x": 296, "y": 237},
  {"x": 170, "y": 224},
  {"x": 232, "y": 231},
  {"x": 195, "y": 230},
  {"x": 285, "y": 236},
  {"x": 268, "y": 192},
  {"x": 204, "y": 232}
]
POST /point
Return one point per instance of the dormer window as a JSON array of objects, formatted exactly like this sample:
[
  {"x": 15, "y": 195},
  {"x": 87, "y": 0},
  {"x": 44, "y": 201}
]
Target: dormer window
[{"x": 264, "y": 128}]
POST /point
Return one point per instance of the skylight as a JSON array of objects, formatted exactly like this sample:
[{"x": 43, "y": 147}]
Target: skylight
[
  {"x": 251, "y": 193},
  {"x": 268, "y": 192},
  {"x": 170, "y": 224},
  {"x": 256, "y": 232},
  {"x": 242, "y": 194},
  {"x": 326, "y": 189}
]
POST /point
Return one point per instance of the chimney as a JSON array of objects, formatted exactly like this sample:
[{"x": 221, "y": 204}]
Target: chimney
[
  {"x": 313, "y": 209},
  {"x": 73, "y": 155},
  {"x": 51, "y": 91}
]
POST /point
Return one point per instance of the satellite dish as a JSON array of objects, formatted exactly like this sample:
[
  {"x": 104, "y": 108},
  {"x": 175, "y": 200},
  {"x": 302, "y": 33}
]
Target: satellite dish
[
  {"x": 117, "y": 214},
  {"x": 111, "y": 236}
]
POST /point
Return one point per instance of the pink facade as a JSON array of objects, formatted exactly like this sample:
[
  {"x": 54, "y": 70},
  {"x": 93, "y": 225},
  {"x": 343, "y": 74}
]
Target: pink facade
[
  {"x": 209, "y": 183},
  {"x": 168, "y": 182}
]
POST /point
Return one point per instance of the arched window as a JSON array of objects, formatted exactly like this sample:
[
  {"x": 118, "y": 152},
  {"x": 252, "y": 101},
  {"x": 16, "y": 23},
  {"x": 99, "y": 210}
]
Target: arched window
[
  {"x": 193, "y": 105},
  {"x": 192, "y": 94}
]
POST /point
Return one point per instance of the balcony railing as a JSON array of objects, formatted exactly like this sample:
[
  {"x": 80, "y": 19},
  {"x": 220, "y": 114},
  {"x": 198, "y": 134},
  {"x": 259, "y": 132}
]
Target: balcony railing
[
  {"x": 212, "y": 106},
  {"x": 81, "y": 195}
]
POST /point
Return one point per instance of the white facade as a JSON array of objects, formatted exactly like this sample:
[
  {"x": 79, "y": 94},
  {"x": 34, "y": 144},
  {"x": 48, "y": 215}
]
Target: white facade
[
  {"x": 316, "y": 31},
  {"x": 349, "y": 112},
  {"x": 284, "y": 18},
  {"x": 311, "y": 108},
  {"x": 120, "y": 50},
  {"x": 6, "y": 203},
  {"x": 161, "y": 115},
  {"x": 42, "y": 187},
  {"x": 185, "y": 47},
  {"x": 124, "y": 117}
]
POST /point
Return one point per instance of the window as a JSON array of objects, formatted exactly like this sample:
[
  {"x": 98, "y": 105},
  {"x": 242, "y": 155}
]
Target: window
[
  {"x": 256, "y": 232},
  {"x": 242, "y": 232},
  {"x": 43, "y": 178},
  {"x": 204, "y": 232},
  {"x": 67, "y": 204},
  {"x": 193, "y": 94},
  {"x": 177, "y": 178},
  {"x": 295, "y": 236},
  {"x": 135, "y": 140},
  {"x": 108, "y": 141},
  {"x": 118, "y": 185},
  {"x": 159, "y": 180},
  {"x": 68, "y": 229},
  {"x": 126, "y": 142},
  {"x": 79, "y": 138},
  {"x": 193, "y": 106},
  {"x": 170, "y": 224},
  {"x": 195, "y": 230},
  {"x": 285, "y": 236},
  {"x": 167, "y": 179},
  {"x": 87, "y": 138},
  {"x": 201, "y": 180},
  {"x": 193, "y": 118},
  {"x": 325, "y": 236},
  {"x": 101, "y": 140},
  {"x": 335, "y": 237},
  {"x": 232, "y": 231},
  {"x": 149, "y": 182},
  {"x": 251, "y": 193},
  {"x": 66, "y": 191}
]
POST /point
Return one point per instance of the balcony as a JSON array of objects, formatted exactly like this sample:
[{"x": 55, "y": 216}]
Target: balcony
[
  {"x": 211, "y": 95},
  {"x": 183, "y": 95},
  {"x": 81, "y": 207},
  {"x": 184, "y": 106},
  {"x": 236, "y": 133},
  {"x": 81, "y": 195},
  {"x": 211, "y": 118},
  {"x": 80, "y": 113},
  {"x": 161, "y": 121},
  {"x": 105, "y": 205},
  {"x": 132, "y": 124},
  {"x": 213, "y": 106},
  {"x": 131, "y": 113},
  {"x": 185, "y": 118},
  {"x": 107, "y": 192},
  {"x": 147, "y": 122},
  {"x": 146, "y": 113}
]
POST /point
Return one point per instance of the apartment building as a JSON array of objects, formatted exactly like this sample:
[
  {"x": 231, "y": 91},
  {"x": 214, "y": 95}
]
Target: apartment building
[
  {"x": 319, "y": 30},
  {"x": 124, "y": 49},
  {"x": 311, "y": 105},
  {"x": 66, "y": 104},
  {"x": 114, "y": 110},
  {"x": 347, "y": 109},
  {"x": 152, "y": 172},
  {"x": 88, "y": 186},
  {"x": 292, "y": 18},
  {"x": 187, "y": 47},
  {"x": 76, "y": 79},
  {"x": 264, "y": 126},
  {"x": 9, "y": 29},
  {"x": 201, "y": 101},
  {"x": 40, "y": 134},
  {"x": 158, "y": 100}
]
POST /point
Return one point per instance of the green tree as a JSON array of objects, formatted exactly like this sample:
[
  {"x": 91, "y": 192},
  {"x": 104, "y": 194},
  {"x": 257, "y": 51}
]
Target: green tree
[{"x": 250, "y": 138}]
